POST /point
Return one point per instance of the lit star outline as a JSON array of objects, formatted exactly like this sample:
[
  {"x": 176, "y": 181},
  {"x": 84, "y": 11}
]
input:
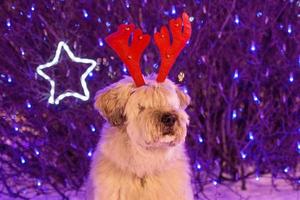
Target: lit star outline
[{"x": 39, "y": 70}]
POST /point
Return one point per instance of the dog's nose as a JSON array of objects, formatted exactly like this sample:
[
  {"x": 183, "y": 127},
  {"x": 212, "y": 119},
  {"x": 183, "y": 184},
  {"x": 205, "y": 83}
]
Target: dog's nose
[{"x": 168, "y": 119}]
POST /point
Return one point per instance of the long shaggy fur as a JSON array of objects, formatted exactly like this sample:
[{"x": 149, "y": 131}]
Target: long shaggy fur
[{"x": 138, "y": 157}]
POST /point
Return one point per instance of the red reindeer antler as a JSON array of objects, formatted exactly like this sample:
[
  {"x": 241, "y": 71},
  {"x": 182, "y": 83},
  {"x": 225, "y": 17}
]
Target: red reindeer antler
[
  {"x": 169, "y": 52},
  {"x": 130, "y": 54}
]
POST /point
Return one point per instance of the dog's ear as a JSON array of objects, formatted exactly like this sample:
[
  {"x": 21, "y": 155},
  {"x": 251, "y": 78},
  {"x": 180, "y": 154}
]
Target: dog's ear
[
  {"x": 183, "y": 98},
  {"x": 111, "y": 101}
]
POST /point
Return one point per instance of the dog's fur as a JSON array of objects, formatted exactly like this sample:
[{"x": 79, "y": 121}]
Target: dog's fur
[{"x": 138, "y": 158}]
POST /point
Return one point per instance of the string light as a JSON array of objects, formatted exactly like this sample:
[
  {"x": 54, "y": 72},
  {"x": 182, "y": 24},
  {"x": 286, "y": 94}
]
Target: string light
[
  {"x": 215, "y": 182},
  {"x": 28, "y": 105},
  {"x": 286, "y": 170},
  {"x": 289, "y": 29},
  {"x": 236, "y": 74},
  {"x": 9, "y": 79},
  {"x": 16, "y": 128},
  {"x": 39, "y": 183},
  {"x": 298, "y": 147},
  {"x": 37, "y": 152},
  {"x": 198, "y": 166},
  {"x": 185, "y": 90},
  {"x": 173, "y": 10},
  {"x": 257, "y": 178},
  {"x": 243, "y": 155},
  {"x": 127, "y": 4},
  {"x": 124, "y": 68},
  {"x": 33, "y": 7},
  {"x": 86, "y": 96},
  {"x": 255, "y": 98},
  {"x": 259, "y": 14}
]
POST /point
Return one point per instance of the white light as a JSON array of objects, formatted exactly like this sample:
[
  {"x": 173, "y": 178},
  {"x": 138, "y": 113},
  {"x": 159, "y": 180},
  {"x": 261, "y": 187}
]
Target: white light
[
  {"x": 289, "y": 29},
  {"x": 127, "y": 4},
  {"x": 215, "y": 182},
  {"x": 253, "y": 48},
  {"x": 243, "y": 155},
  {"x": 236, "y": 74},
  {"x": 92, "y": 127},
  {"x": 124, "y": 68},
  {"x": 91, "y": 74},
  {"x": 8, "y": 23},
  {"x": 33, "y": 7},
  {"x": 257, "y": 178},
  {"x": 9, "y": 79},
  {"x": 23, "y": 161},
  {"x": 255, "y": 98},
  {"x": 291, "y": 79},
  {"x": 200, "y": 139},
  {"x": 251, "y": 137},
  {"x": 36, "y": 152},
  {"x": 86, "y": 96},
  {"x": 85, "y": 13},
  {"x": 39, "y": 183},
  {"x": 16, "y": 128},
  {"x": 90, "y": 153},
  {"x": 286, "y": 170},
  {"x": 191, "y": 19},
  {"x": 173, "y": 10},
  {"x": 298, "y": 147},
  {"x": 22, "y": 51},
  {"x": 234, "y": 114},
  {"x": 100, "y": 42},
  {"x": 198, "y": 166},
  {"x": 236, "y": 19},
  {"x": 28, "y": 104}
]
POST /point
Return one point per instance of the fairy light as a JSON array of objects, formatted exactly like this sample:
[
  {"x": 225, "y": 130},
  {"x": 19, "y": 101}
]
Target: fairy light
[
  {"x": 16, "y": 128},
  {"x": 92, "y": 127},
  {"x": 9, "y": 79},
  {"x": 259, "y": 14},
  {"x": 286, "y": 170},
  {"x": 291, "y": 78},
  {"x": 257, "y": 178},
  {"x": 200, "y": 139},
  {"x": 185, "y": 90},
  {"x": 22, "y": 159},
  {"x": 236, "y": 74},
  {"x": 39, "y": 183},
  {"x": 236, "y": 19},
  {"x": 234, "y": 114},
  {"x": 173, "y": 10},
  {"x": 85, "y": 13},
  {"x": 37, "y": 152},
  {"x": 250, "y": 136},
  {"x": 215, "y": 182},
  {"x": 28, "y": 105},
  {"x": 90, "y": 153},
  {"x": 198, "y": 166},
  {"x": 191, "y": 19},
  {"x": 289, "y": 29},
  {"x": 100, "y": 42},
  {"x": 91, "y": 74},
  {"x": 33, "y": 7},
  {"x": 127, "y": 4},
  {"x": 86, "y": 96},
  {"x": 8, "y": 23},
  {"x": 243, "y": 155},
  {"x": 298, "y": 147},
  {"x": 255, "y": 98},
  {"x": 253, "y": 47},
  {"x": 124, "y": 68}
]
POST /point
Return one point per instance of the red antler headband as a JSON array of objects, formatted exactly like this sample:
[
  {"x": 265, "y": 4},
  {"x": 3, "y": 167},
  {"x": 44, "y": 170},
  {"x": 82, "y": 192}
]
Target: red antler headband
[{"x": 181, "y": 32}]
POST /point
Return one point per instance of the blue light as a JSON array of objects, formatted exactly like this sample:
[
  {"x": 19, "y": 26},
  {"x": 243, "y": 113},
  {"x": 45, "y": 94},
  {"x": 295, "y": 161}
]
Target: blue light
[
  {"x": 22, "y": 159},
  {"x": 99, "y": 20},
  {"x": 298, "y": 147},
  {"x": 92, "y": 127},
  {"x": 91, "y": 74},
  {"x": 243, "y": 155},
  {"x": 236, "y": 19},
  {"x": 36, "y": 151},
  {"x": 286, "y": 170},
  {"x": 253, "y": 47},
  {"x": 155, "y": 65},
  {"x": 255, "y": 98},
  {"x": 259, "y": 14},
  {"x": 250, "y": 136},
  {"x": 291, "y": 78},
  {"x": 29, "y": 15},
  {"x": 234, "y": 114},
  {"x": 90, "y": 153},
  {"x": 100, "y": 42},
  {"x": 85, "y": 13},
  {"x": 8, "y": 23},
  {"x": 173, "y": 10},
  {"x": 289, "y": 29},
  {"x": 200, "y": 139},
  {"x": 236, "y": 74}
]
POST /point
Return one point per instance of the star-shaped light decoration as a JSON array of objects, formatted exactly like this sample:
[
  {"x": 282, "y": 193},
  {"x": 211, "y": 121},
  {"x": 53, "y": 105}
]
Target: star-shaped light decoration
[{"x": 86, "y": 95}]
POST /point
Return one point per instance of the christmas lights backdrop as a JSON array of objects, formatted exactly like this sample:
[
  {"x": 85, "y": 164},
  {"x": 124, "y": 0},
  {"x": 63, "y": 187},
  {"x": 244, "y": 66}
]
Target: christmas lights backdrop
[{"x": 241, "y": 68}]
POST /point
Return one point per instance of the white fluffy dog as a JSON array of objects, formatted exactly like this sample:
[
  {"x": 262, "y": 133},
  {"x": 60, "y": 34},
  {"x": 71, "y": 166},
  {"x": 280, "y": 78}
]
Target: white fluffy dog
[{"x": 141, "y": 154}]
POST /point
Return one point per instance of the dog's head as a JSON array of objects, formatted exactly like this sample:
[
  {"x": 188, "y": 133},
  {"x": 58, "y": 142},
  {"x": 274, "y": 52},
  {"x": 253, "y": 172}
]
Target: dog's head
[{"x": 153, "y": 114}]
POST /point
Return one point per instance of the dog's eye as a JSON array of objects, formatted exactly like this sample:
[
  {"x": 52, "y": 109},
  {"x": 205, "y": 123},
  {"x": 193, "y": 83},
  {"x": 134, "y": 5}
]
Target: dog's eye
[{"x": 141, "y": 108}]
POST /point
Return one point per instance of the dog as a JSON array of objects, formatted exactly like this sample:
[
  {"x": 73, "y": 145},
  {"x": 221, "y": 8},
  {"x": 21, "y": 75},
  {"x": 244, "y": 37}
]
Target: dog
[{"x": 141, "y": 153}]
